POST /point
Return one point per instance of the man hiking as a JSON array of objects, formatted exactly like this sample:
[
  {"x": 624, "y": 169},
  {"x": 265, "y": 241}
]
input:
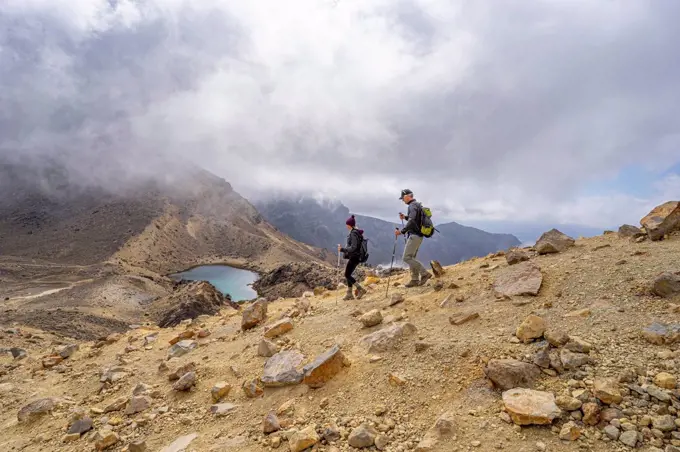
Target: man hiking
[
  {"x": 353, "y": 255},
  {"x": 419, "y": 275}
]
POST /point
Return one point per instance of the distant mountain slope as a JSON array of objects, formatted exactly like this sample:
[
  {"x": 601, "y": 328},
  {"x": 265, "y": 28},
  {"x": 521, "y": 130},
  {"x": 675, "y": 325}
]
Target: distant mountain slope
[
  {"x": 323, "y": 225},
  {"x": 163, "y": 226}
]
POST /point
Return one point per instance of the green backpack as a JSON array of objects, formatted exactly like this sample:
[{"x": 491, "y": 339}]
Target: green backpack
[{"x": 426, "y": 225}]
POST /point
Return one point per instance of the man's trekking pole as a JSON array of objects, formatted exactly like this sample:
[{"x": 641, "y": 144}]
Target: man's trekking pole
[
  {"x": 389, "y": 275},
  {"x": 402, "y": 227}
]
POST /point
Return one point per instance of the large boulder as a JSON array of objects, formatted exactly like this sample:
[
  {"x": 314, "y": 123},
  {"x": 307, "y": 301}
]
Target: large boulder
[
  {"x": 387, "y": 338},
  {"x": 526, "y": 406},
  {"x": 510, "y": 373},
  {"x": 324, "y": 367},
  {"x": 667, "y": 285},
  {"x": 516, "y": 255},
  {"x": 292, "y": 280},
  {"x": 189, "y": 300},
  {"x": 254, "y": 315},
  {"x": 282, "y": 369},
  {"x": 521, "y": 279},
  {"x": 553, "y": 241},
  {"x": 629, "y": 231},
  {"x": 662, "y": 220}
]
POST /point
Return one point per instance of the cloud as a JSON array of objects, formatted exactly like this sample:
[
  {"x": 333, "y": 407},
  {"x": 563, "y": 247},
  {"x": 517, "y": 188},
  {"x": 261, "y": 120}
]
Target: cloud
[{"x": 490, "y": 110}]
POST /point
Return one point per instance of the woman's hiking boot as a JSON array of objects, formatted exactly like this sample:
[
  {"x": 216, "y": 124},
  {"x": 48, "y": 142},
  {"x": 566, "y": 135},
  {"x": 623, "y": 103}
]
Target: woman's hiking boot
[
  {"x": 348, "y": 295},
  {"x": 424, "y": 278},
  {"x": 360, "y": 292}
]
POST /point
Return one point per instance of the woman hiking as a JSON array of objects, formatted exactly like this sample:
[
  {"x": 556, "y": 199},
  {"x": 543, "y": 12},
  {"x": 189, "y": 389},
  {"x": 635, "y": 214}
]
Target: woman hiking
[{"x": 352, "y": 253}]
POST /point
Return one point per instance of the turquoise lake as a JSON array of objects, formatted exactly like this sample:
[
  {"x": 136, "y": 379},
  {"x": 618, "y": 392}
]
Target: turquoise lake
[{"x": 228, "y": 280}]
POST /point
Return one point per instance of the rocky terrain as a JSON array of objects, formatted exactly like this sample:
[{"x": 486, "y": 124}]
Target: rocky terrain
[
  {"x": 570, "y": 345},
  {"x": 323, "y": 225}
]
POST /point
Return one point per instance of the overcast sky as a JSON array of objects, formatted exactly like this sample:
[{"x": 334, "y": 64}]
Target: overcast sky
[{"x": 562, "y": 110}]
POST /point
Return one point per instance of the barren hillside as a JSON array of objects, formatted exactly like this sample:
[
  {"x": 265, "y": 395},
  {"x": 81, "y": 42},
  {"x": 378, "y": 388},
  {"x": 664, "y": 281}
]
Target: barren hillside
[{"x": 464, "y": 363}]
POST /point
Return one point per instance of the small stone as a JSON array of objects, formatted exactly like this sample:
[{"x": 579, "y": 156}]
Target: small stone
[
  {"x": 181, "y": 348},
  {"x": 222, "y": 409},
  {"x": 578, "y": 345},
  {"x": 81, "y": 426},
  {"x": 396, "y": 380},
  {"x": 556, "y": 338},
  {"x": 664, "y": 423},
  {"x": 253, "y": 388},
  {"x": 462, "y": 318},
  {"x": 180, "y": 444},
  {"x": 362, "y": 437},
  {"x": 658, "y": 393},
  {"x": 70, "y": 437},
  {"x": 185, "y": 383},
  {"x": 522, "y": 279},
  {"x": 51, "y": 361},
  {"x": 36, "y": 409},
  {"x": 282, "y": 369},
  {"x": 571, "y": 360},
  {"x": 67, "y": 351},
  {"x": 303, "y": 439},
  {"x": 270, "y": 423},
  {"x": 113, "y": 338},
  {"x": 371, "y": 318},
  {"x": 629, "y": 438},
  {"x": 532, "y": 328},
  {"x": 386, "y": 338},
  {"x": 591, "y": 413},
  {"x": 515, "y": 256},
  {"x": 324, "y": 367},
  {"x": 278, "y": 328},
  {"x": 553, "y": 241},
  {"x": 105, "y": 439},
  {"x": 527, "y": 406},
  {"x": 254, "y": 314},
  {"x": 579, "y": 313},
  {"x": 267, "y": 348},
  {"x": 381, "y": 442},
  {"x": 220, "y": 390},
  {"x": 665, "y": 380},
  {"x": 612, "y": 432},
  {"x": 570, "y": 432},
  {"x": 606, "y": 389},
  {"x": 510, "y": 373},
  {"x": 137, "y": 446},
  {"x": 667, "y": 285},
  {"x": 182, "y": 370},
  {"x": 396, "y": 299},
  {"x": 421, "y": 346},
  {"x": 568, "y": 403},
  {"x": 138, "y": 404}
]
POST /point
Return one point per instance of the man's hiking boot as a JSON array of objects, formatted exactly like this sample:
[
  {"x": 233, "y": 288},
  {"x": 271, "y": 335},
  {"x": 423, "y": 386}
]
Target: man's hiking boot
[
  {"x": 412, "y": 283},
  {"x": 348, "y": 295},
  {"x": 360, "y": 292},
  {"x": 424, "y": 278}
]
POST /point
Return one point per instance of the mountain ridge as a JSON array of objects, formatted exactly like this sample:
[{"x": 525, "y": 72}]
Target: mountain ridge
[{"x": 308, "y": 221}]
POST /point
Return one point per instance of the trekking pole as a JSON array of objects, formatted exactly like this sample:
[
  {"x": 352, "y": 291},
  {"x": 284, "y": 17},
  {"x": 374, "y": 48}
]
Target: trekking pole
[
  {"x": 336, "y": 286},
  {"x": 389, "y": 275},
  {"x": 402, "y": 227}
]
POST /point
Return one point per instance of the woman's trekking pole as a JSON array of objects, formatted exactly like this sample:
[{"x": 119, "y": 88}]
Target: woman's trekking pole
[
  {"x": 389, "y": 275},
  {"x": 336, "y": 286}
]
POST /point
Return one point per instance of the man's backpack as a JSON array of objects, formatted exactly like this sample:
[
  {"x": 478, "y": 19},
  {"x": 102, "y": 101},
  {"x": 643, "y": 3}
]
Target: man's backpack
[
  {"x": 363, "y": 249},
  {"x": 426, "y": 225}
]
